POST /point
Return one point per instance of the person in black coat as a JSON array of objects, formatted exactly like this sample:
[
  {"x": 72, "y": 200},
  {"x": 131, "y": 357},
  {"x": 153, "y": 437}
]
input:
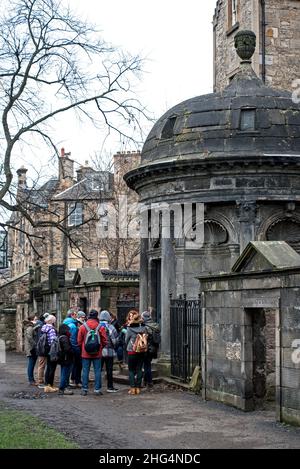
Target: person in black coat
[{"x": 65, "y": 359}]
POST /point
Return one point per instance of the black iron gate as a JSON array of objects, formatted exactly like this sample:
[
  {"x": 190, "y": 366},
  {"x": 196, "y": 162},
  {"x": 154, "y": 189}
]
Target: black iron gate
[
  {"x": 124, "y": 305},
  {"x": 185, "y": 322}
]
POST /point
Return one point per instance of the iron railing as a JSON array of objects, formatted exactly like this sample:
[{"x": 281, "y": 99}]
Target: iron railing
[{"x": 185, "y": 322}]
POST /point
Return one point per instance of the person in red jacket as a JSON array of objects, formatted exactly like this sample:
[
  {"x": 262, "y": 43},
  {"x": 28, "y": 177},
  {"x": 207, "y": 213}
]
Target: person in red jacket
[{"x": 87, "y": 358}]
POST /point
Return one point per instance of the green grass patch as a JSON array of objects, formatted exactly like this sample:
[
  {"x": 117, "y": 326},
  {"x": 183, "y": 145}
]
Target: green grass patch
[{"x": 19, "y": 430}]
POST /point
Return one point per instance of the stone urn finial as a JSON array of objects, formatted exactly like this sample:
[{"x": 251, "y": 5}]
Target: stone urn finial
[{"x": 245, "y": 43}]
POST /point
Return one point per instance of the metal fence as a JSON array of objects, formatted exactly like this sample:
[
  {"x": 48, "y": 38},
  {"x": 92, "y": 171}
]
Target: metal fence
[{"x": 185, "y": 322}]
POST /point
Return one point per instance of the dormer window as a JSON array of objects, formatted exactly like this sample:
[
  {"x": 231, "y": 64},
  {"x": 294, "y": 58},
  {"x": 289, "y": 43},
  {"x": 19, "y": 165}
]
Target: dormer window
[
  {"x": 168, "y": 129},
  {"x": 97, "y": 185}
]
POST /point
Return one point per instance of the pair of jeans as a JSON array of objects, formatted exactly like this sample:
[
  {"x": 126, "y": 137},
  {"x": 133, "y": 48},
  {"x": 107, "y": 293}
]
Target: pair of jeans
[
  {"x": 86, "y": 365},
  {"x": 147, "y": 369},
  {"x": 30, "y": 368},
  {"x": 65, "y": 376},
  {"x": 50, "y": 372},
  {"x": 77, "y": 365},
  {"x": 135, "y": 364},
  {"x": 109, "y": 363}
]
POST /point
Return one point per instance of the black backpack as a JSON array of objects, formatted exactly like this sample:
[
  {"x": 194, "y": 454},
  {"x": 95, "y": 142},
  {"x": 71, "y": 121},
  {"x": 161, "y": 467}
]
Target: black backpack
[
  {"x": 154, "y": 341},
  {"x": 92, "y": 340},
  {"x": 42, "y": 346},
  {"x": 55, "y": 351}
]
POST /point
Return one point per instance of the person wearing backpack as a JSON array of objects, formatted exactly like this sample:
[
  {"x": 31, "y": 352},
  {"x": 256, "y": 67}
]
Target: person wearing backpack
[
  {"x": 108, "y": 352},
  {"x": 136, "y": 344},
  {"x": 65, "y": 359},
  {"x": 154, "y": 338},
  {"x": 30, "y": 347},
  {"x": 48, "y": 332},
  {"x": 42, "y": 360},
  {"x": 91, "y": 339}
]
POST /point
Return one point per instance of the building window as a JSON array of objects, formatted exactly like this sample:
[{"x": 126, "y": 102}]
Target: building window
[
  {"x": 74, "y": 259},
  {"x": 97, "y": 185},
  {"x": 103, "y": 217},
  {"x": 103, "y": 260},
  {"x": 168, "y": 129},
  {"x": 75, "y": 214},
  {"x": 248, "y": 120},
  {"x": 232, "y": 13},
  {"x": 3, "y": 250}
]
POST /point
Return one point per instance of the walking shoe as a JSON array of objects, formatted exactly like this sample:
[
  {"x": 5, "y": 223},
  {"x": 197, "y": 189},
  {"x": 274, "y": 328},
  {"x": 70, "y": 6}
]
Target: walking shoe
[
  {"x": 131, "y": 391},
  {"x": 68, "y": 392},
  {"x": 84, "y": 392},
  {"x": 50, "y": 389},
  {"x": 98, "y": 393},
  {"x": 112, "y": 390},
  {"x": 137, "y": 391}
]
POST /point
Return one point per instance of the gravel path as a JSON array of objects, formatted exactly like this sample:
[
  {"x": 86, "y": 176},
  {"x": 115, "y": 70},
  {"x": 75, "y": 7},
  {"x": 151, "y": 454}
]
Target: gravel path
[{"x": 165, "y": 418}]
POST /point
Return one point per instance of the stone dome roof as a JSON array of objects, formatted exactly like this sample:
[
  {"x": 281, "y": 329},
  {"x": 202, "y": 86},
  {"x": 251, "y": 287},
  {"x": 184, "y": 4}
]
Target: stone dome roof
[{"x": 246, "y": 119}]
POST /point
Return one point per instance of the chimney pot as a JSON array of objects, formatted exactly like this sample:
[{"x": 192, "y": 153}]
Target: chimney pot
[{"x": 62, "y": 152}]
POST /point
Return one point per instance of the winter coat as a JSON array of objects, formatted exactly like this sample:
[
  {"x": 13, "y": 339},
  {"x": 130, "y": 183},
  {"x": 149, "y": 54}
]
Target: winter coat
[
  {"x": 72, "y": 325},
  {"x": 29, "y": 341},
  {"x": 112, "y": 340},
  {"x": 131, "y": 333},
  {"x": 66, "y": 349},
  {"x": 50, "y": 331},
  {"x": 92, "y": 323}
]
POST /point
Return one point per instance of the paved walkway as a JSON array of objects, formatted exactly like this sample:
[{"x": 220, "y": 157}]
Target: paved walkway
[{"x": 165, "y": 418}]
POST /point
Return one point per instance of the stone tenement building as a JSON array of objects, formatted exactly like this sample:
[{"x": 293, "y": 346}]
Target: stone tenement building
[
  {"x": 276, "y": 24},
  {"x": 79, "y": 206}
]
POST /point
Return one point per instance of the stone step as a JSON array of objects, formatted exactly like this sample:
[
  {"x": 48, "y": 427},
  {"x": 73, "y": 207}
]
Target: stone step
[
  {"x": 124, "y": 371},
  {"x": 124, "y": 379}
]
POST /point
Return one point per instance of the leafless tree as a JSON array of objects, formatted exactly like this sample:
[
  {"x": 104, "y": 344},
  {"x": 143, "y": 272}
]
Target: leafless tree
[{"x": 53, "y": 63}]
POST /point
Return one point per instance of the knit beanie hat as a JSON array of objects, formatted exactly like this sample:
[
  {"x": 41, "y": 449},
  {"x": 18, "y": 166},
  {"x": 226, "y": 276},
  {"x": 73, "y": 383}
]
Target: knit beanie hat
[
  {"x": 146, "y": 315},
  {"x": 81, "y": 315},
  {"x": 50, "y": 319},
  {"x": 105, "y": 316}
]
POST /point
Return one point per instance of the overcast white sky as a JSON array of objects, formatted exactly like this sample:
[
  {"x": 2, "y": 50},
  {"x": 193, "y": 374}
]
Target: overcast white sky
[{"x": 176, "y": 38}]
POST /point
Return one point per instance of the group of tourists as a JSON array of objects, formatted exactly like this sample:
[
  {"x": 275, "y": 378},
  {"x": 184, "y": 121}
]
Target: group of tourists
[{"x": 94, "y": 339}]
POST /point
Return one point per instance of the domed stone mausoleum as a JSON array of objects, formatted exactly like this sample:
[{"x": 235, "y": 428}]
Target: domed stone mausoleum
[{"x": 238, "y": 153}]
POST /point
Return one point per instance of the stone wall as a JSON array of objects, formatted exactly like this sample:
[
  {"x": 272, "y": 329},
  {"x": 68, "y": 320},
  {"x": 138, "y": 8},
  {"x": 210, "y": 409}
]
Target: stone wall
[
  {"x": 101, "y": 296},
  {"x": 289, "y": 355},
  {"x": 8, "y": 328},
  {"x": 229, "y": 360},
  {"x": 282, "y": 41}
]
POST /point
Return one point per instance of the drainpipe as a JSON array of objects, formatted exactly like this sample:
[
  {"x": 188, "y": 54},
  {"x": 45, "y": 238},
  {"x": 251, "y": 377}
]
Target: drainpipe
[{"x": 263, "y": 39}]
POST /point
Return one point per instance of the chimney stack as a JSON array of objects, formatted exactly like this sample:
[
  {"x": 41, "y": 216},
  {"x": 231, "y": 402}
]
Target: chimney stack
[
  {"x": 66, "y": 167},
  {"x": 22, "y": 182}
]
